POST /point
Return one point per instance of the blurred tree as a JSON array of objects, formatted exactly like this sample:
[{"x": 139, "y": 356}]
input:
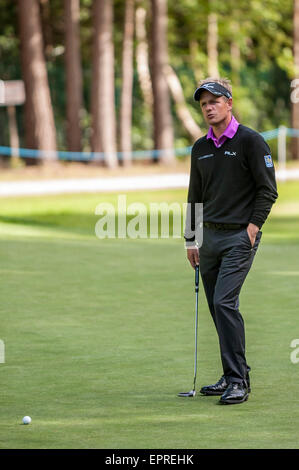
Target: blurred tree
[
  {"x": 142, "y": 59},
  {"x": 39, "y": 119},
  {"x": 295, "y": 103},
  {"x": 47, "y": 29},
  {"x": 73, "y": 75},
  {"x": 235, "y": 53},
  {"x": 212, "y": 41},
  {"x": 163, "y": 126},
  {"x": 127, "y": 85},
  {"x": 254, "y": 52},
  {"x": 143, "y": 90},
  {"x": 182, "y": 110},
  {"x": 103, "y": 137}
]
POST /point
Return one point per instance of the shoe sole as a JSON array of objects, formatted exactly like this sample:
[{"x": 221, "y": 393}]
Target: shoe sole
[
  {"x": 215, "y": 394},
  {"x": 233, "y": 402}
]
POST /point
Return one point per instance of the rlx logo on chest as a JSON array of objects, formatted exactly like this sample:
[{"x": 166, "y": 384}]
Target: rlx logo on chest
[{"x": 230, "y": 154}]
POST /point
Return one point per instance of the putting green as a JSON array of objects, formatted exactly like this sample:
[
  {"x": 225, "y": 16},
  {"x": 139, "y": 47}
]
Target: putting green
[{"x": 99, "y": 334}]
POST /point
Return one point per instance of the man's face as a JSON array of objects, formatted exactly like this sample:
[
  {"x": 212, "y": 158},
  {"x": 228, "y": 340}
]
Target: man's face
[{"x": 215, "y": 109}]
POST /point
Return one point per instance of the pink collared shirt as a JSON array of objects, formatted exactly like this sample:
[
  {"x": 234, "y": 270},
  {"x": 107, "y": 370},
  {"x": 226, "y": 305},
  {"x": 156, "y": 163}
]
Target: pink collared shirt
[{"x": 228, "y": 133}]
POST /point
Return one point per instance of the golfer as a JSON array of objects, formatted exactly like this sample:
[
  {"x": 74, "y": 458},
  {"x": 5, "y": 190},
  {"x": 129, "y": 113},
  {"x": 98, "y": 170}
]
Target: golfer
[{"x": 232, "y": 175}]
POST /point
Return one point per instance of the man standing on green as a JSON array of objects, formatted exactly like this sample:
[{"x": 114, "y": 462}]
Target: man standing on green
[{"x": 232, "y": 175}]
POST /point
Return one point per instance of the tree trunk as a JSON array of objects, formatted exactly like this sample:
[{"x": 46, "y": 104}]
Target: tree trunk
[
  {"x": 39, "y": 118},
  {"x": 295, "y": 106},
  {"x": 212, "y": 45},
  {"x": 127, "y": 85},
  {"x": 163, "y": 127},
  {"x": 196, "y": 64},
  {"x": 73, "y": 74},
  {"x": 14, "y": 140},
  {"x": 235, "y": 53},
  {"x": 142, "y": 61},
  {"x": 103, "y": 138},
  {"x": 47, "y": 29},
  {"x": 182, "y": 110}
]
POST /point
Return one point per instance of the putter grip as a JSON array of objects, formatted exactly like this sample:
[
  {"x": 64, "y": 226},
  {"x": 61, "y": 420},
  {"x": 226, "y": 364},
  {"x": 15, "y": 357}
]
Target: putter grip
[{"x": 196, "y": 278}]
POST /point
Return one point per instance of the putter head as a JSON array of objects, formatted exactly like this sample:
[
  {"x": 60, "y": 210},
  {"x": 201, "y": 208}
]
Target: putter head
[{"x": 191, "y": 394}]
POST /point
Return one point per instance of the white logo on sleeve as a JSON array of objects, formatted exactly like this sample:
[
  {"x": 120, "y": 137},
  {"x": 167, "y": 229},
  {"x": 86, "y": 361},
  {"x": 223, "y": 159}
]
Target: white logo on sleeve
[{"x": 268, "y": 161}]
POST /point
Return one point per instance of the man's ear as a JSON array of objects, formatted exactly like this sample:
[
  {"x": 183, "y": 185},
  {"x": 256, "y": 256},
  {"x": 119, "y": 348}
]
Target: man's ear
[{"x": 230, "y": 103}]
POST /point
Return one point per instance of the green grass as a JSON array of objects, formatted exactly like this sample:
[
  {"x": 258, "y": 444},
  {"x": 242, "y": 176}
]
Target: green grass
[{"x": 99, "y": 334}]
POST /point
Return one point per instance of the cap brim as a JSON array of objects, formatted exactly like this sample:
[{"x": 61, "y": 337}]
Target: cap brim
[
  {"x": 214, "y": 88},
  {"x": 199, "y": 90}
]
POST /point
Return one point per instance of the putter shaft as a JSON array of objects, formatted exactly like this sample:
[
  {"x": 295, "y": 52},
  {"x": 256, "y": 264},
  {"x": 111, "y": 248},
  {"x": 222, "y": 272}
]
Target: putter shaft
[
  {"x": 193, "y": 392},
  {"x": 196, "y": 322}
]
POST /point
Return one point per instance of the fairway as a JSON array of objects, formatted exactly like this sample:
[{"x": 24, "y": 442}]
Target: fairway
[{"x": 99, "y": 334}]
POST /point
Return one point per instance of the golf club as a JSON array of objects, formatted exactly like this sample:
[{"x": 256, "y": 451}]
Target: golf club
[{"x": 192, "y": 393}]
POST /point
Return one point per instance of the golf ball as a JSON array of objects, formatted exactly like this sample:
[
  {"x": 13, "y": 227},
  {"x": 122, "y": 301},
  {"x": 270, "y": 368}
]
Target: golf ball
[{"x": 26, "y": 420}]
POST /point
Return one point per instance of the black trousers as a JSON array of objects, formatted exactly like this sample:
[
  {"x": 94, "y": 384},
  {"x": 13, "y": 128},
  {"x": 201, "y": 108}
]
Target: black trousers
[{"x": 226, "y": 257}]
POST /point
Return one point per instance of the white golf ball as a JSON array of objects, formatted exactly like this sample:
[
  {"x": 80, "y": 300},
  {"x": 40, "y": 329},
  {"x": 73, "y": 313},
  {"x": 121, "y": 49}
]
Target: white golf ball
[{"x": 26, "y": 420}]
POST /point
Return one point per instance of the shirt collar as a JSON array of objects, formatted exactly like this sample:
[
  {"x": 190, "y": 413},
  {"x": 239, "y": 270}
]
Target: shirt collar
[{"x": 229, "y": 131}]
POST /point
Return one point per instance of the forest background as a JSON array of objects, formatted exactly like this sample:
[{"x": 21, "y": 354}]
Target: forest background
[{"x": 116, "y": 77}]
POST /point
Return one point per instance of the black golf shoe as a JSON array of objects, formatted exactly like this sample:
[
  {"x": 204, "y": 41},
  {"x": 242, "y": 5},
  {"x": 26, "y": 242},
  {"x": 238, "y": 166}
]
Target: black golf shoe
[
  {"x": 217, "y": 389},
  {"x": 235, "y": 393}
]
